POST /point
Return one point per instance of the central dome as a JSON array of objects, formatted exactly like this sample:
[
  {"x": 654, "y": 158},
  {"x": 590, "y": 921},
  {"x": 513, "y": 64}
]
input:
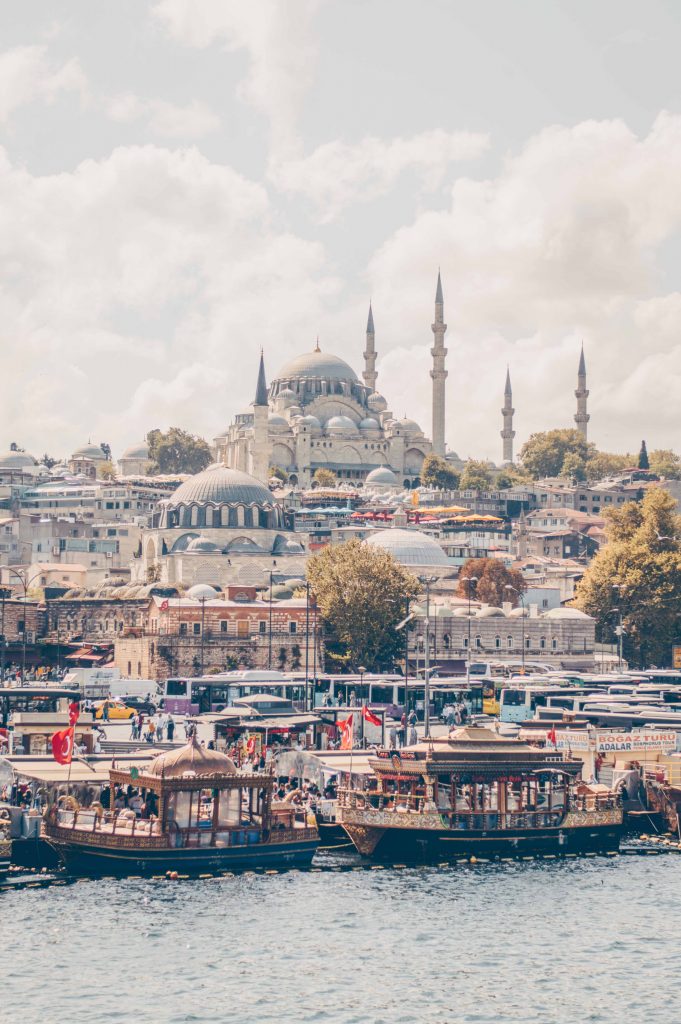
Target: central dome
[
  {"x": 221, "y": 486},
  {"x": 317, "y": 364}
]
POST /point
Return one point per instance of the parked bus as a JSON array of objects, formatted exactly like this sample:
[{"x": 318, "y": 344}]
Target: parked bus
[
  {"x": 520, "y": 703},
  {"x": 192, "y": 696}
]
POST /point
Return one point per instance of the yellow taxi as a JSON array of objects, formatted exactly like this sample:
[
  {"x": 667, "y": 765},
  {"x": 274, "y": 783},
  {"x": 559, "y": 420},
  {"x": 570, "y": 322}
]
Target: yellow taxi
[{"x": 117, "y": 709}]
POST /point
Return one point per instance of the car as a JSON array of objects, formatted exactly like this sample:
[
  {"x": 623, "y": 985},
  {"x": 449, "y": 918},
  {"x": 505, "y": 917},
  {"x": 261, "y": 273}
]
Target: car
[
  {"x": 117, "y": 709},
  {"x": 147, "y": 707}
]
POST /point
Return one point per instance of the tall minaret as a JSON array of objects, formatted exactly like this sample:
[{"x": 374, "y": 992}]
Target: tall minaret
[
  {"x": 260, "y": 449},
  {"x": 370, "y": 374},
  {"x": 438, "y": 373},
  {"x": 581, "y": 394},
  {"x": 508, "y": 433}
]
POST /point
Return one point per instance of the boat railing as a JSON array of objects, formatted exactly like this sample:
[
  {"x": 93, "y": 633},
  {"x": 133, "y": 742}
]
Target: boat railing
[
  {"x": 85, "y": 819},
  {"x": 595, "y": 801}
]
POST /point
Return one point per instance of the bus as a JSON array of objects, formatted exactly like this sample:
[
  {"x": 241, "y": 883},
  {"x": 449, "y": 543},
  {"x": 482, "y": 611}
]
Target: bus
[
  {"x": 520, "y": 703},
  {"x": 186, "y": 695}
]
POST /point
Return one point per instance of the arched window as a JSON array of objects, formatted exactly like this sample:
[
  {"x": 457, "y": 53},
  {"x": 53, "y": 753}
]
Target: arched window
[
  {"x": 509, "y": 642},
  {"x": 542, "y": 643},
  {"x": 233, "y": 518},
  {"x": 446, "y": 640},
  {"x": 465, "y": 643},
  {"x": 527, "y": 643},
  {"x": 224, "y": 516},
  {"x": 195, "y": 515},
  {"x": 248, "y": 518},
  {"x": 240, "y": 515},
  {"x": 497, "y": 643},
  {"x": 554, "y": 644},
  {"x": 478, "y": 641},
  {"x": 209, "y": 515}
]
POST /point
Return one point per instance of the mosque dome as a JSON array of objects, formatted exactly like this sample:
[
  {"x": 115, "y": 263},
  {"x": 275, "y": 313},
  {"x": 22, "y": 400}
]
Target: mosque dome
[
  {"x": 193, "y": 760},
  {"x": 89, "y": 451},
  {"x": 382, "y": 475},
  {"x": 376, "y": 402},
  {"x": 280, "y": 592},
  {"x": 409, "y": 547},
  {"x": 369, "y": 424},
  {"x": 202, "y": 592},
  {"x": 490, "y": 613},
  {"x": 310, "y": 421},
  {"x": 565, "y": 613},
  {"x": 16, "y": 460},
  {"x": 409, "y": 426},
  {"x": 136, "y": 451},
  {"x": 221, "y": 487},
  {"x": 519, "y": 612},
  {"x": 277, "y": 423},
  {"x": 199, "y": 544},
  {"x": 287, "y": 393},
  {"x": 317, "y": 364},
  {"x": 341, "y": 425}
]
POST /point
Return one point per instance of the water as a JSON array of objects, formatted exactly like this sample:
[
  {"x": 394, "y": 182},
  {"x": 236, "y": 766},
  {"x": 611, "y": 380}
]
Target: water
[{"x": 553, "y": 943}]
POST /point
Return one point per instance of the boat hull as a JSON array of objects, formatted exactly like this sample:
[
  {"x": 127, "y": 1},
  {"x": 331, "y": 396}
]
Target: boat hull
[{"x": 92, "y": 860}]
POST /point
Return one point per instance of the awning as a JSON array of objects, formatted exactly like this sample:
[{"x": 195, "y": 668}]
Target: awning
[
  {"x": 287, "y": 723},
  {"x": 317, "y": 768},
  {"x": 91, "y": 770}
]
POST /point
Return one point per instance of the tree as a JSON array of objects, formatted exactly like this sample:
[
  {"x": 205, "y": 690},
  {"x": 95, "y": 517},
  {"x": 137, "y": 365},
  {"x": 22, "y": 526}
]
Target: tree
[
  {"x": 544, "y": 454},
  {"x": 492, "y": 577},
  {"x": 278, "y": 473},
  {"x": 602, "y": 464},
  {"x": 476, "y": 476},
  {"x": 574, "y": 466},
  {"x": 638, "y": 575},
  {"x": 362, "y": 594},
  {"x": 176, "y": 451},
  {"x": 512, "y": 476},
  {"x": 643, "y": 462},
  {"x": 106, "y": 448},
  {"x": 48, "y": 461},
  {"x": 282, "y": 658},
  {"x": 437, "y": 472},
  {"x": 324, "y": 478},
  {"x": 106, "y": 470},
  {"x": 664, "y": 462}
]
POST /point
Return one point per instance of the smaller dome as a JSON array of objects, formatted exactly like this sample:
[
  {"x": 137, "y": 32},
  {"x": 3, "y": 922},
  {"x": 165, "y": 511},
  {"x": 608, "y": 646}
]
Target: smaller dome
[
  {"x": 382, "y": 475},
  {"x": 287, "y": 546},
  {"x": 461, "y": 613},
  {"x": 16, "y": 460},
  {"x": 409, "y": 547},
  {"x": 193, "y": 760},
  {"x": 89, "y": 451},
  {"x": 519, "y": 612},
  {"x": 202, "y": 592},
  {"x": 565, "y": 613},
  {"x": 310, "y": 421},
  {"x": 280, "y": 592},
  {"x": 136, "y": 451},
  {"x": 490, "y": 613},
  {"x": 341, "y": 424},
  {"x": 287, "y": 393},
  {"x": 376, "y": 402},
  {"x": 277, "y": 422},
  {"x": 369, "y": 424},
  {"x": 201, "y": 544},
  {"x": 409, "y": 426}
]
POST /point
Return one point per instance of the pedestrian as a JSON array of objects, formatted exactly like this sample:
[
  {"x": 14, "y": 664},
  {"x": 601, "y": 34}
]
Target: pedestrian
[
  {"x": 393, "y": 737},
  {"x": 151, "y": 731},
  {"x": 170, "y": 728},
  {"x": 160, "y": 722}
]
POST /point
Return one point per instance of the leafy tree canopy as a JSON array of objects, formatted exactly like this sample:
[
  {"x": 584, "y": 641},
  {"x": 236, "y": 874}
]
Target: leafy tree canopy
[
  {"x": 665, "y": 462},
  {"x": 511, "y": 476},
  {"x": 106, "y": 470},
  {"x": 361, "y": 593},
  {"x": 176, "y": 451},
  {"x": 48, "y": 461},
  {"x": 324, "y": 478},
  {"x": 477, "y": 476},
  {"x": 489, "y": 578},
  {"x": 638, "y": 573},
  {"x": 544, "y": 454},
  {"x": 437, "y": 472}
]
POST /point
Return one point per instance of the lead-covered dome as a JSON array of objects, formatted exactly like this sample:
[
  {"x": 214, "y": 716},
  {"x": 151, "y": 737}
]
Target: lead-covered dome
[
  {"x": 136, "y": 451},
  {"x": 317, "y": 364},
  {"x": 16, "y": 460},
  {"x": 221, "y": 486},
  {"x": 89, "y": 451},
  {"x": 409, "y": 547},
  {"x": 382, "y": 475},
  {"x": 340, "y": 424}
]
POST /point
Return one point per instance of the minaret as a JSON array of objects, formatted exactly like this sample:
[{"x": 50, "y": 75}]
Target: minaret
[
  {"x": 260, "y": 453},
  {"x": 508, "y": 433},
  {"x": 438, "y": 373},
  {"x": 370, "y": 374},
  {"x": 581, "y": 394}
]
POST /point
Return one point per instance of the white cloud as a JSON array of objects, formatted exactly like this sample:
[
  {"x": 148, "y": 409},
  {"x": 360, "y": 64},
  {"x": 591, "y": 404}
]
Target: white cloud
[
  {"x": 279, "y": 41},
  {"x": 338, "y": 174},
  {"x": 27, "y": 75},
  {"x": 170, "y": 120},
  {"x": 562, "y": 245}
]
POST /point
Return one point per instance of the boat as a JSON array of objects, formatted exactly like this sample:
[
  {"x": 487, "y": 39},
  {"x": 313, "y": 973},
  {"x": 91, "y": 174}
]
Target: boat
[
  {"x": 5, "y": 842},
  {"x": 478, "y": 794},
  {"x": 199, "y": 813}
]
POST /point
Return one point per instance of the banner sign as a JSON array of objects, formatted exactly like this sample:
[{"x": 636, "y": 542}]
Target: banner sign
[{"x": 603, "y": 742}]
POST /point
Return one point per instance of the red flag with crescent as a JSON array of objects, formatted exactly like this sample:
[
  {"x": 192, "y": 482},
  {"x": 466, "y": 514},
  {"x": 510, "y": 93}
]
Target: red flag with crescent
[
  {"x": 74, "y": 711},
  {"x": 164, "y": 606},
  {"x": 346, "y": 727},
  {"x": 62, "y": 745},
  {"x": 369, "y": 716},
  {"x": 551, "y": 736}
]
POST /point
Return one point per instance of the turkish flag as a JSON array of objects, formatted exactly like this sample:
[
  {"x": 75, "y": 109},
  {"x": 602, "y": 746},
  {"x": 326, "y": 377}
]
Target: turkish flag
[
  {"x": 346, "y": 727},
  {"x": 369, "y": 716},
  {"x": 164, "y": 606},
  {"x": 62, "y": 745},
  {"x": 74, "y": 711},
  {"x": 551, "y": 736}
]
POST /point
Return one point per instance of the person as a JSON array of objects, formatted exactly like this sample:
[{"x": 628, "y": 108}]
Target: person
[
  {"x": 151, "y": 731},
  {"x": 160, "y": 722},
  {"x": 170, "y": 727},
  {"x": 393, "y": 737},
  {"x": 97, "y": 747},
  {"x": 134, "y": 727},
  {"x": 105, "y": 711}
]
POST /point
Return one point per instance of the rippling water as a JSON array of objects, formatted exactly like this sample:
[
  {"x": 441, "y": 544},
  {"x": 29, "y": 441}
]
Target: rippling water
[{"x": 576, "y": 941}]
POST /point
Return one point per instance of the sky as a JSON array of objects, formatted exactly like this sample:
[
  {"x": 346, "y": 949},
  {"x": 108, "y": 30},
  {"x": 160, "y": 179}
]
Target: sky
[{"x": 185, "y": 182}]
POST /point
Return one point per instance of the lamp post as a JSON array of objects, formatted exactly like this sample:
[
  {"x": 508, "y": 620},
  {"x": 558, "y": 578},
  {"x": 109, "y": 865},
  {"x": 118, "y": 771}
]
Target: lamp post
[
  {"x": 25, "y": 585},
  {"x": 618, "y": 588},
  {"x": 3, "y": 595},
  {"x": 203, "y": 628},
  {"x": 522, "y": 645},
  {"x": 308, "y": 706},
  {"x": 269, "y": 641},
  {"x": 361, "y": 669},
  {"x": 469, "y": 580},
  {"x": 427, "y": 582}
]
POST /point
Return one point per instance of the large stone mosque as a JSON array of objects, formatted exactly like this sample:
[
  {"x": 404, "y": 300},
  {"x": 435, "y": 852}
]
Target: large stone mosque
[{"x": 318, "y": 414}]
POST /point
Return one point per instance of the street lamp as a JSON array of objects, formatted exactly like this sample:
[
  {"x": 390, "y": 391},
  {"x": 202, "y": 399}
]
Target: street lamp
[
  {"x": 269, "y": 642},
  {"x": 203, "y": 627},
  {"x": 308, "y": 705},
  {"x": 522, "y": 646},
  {"x": 619, "y": 630},
  {"x": 427, "y": 582},
  {"x": 25, "y": 585},
  {"x": 361, "y": 669},
  {"x": 469, "y": 580},
  {"x": 4, "y": 593}
]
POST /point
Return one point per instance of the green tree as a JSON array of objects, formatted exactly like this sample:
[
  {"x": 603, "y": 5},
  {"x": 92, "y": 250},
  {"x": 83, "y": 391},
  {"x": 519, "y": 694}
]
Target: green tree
[
  {"x": 638, "y": 573},
  {"x": 324, "y": 478},
  {"x": 437, "y": 472},
  {"x": 544, "y": 454},
  {"x": 489, "y": 578},
  {"x": 106, "y": 470},
  {"x": 476, "y": 476},
  {"x": 176, "y": 451},
  {"x": 664, "y": 462},
  {"x": 574, "y": 466},
  {"x": 278, "y": 473},
  {"x": 643, "y": 462},
  {"x": 361, "y": 593},
  {"x": 602, "y": 464},
  {"x": 511, "y": 477},
  {"x": 48, "y": 461}
]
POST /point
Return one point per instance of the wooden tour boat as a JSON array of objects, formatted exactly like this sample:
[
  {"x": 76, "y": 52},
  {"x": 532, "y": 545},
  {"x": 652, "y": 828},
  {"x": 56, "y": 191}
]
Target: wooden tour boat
[
  {"x": 478, "y": 794},
  {"x": 208, "y": 816}
]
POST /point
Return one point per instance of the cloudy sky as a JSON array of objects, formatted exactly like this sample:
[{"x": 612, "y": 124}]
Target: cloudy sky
[{"x": 185, "y": 181}]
